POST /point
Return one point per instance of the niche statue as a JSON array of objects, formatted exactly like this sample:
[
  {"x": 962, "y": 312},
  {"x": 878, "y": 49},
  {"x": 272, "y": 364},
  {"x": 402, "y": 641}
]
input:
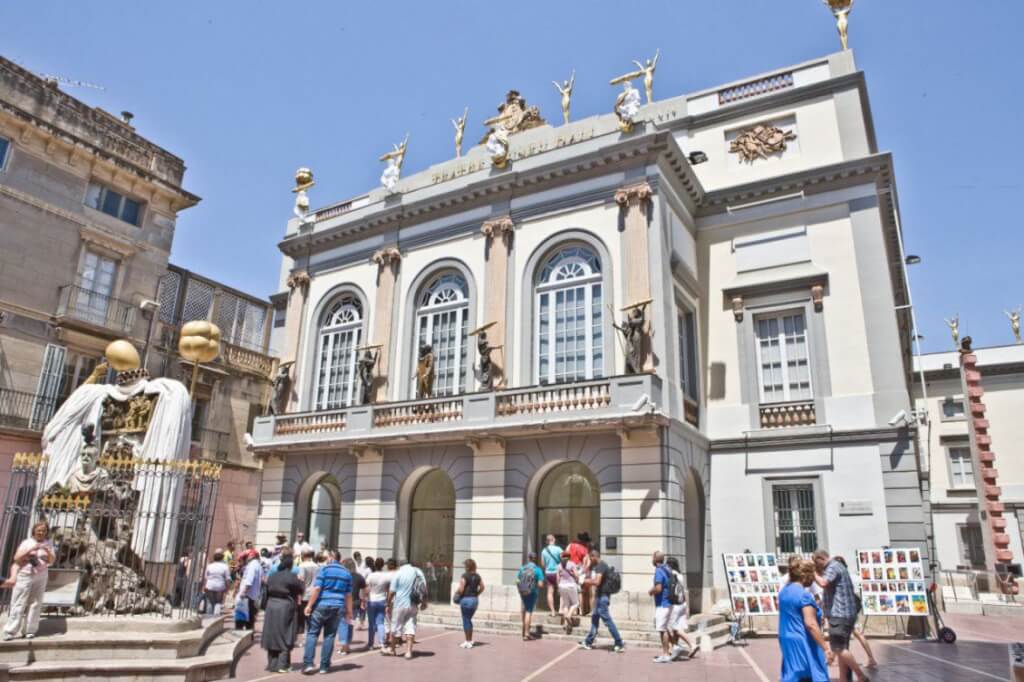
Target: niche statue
[
  {"x": 425, "y": 372},
  {"x": 634, "y": 336},
  {"x": 366, "y": 365}
]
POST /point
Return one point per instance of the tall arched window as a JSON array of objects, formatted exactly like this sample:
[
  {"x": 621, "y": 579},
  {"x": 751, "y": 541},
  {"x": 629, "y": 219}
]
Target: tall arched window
[
  {"x": 569, "y": 294},
  {"x": 442, "y": 317},
  {"x": 340, "y": 332}
]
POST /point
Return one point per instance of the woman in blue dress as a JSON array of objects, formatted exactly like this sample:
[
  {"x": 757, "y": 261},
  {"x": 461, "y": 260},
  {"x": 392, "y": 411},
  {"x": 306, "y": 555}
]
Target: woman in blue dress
[{"x": 804, "y": 648}]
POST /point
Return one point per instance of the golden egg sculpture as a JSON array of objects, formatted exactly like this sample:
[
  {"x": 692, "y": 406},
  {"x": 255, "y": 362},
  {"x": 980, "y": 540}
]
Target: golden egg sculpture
[
  {"x": 122, "y": 356},
  {"x": 200, "y": 341}
]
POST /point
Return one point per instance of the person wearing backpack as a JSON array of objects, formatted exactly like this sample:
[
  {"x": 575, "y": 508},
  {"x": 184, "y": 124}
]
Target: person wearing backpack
[
  {"x": 407, "y": 595},
  {"x": 528, "y": 581},
  {"x": 662, "y": 591},
  {"x": 606, "y": 581},
  {"x": 678, "y": 621}
]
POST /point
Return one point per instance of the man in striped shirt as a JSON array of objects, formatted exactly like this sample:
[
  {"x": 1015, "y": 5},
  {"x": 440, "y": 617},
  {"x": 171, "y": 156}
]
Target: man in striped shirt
[{"x": 330, "y": 600}]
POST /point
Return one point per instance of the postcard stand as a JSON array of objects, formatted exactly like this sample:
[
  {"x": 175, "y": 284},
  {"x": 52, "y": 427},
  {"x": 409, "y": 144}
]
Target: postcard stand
[
  {"x": 892, "y": 584},
  {"x": 754, "y": 582}
]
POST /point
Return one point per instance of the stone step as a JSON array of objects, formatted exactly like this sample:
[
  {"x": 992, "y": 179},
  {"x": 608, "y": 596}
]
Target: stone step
[{"x": 215, "y": 663}]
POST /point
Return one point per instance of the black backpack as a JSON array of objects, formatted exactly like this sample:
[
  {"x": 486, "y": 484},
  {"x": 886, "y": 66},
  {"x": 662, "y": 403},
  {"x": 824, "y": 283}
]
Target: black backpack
[
  {"x": 673, "y": 589},
  {"x": 612, "y": 582}
]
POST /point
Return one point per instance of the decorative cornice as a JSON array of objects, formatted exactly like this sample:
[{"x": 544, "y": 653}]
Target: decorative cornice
[
  {"x": 502, "y": 227},
  {"x": 389, "y": 255},
  {"x": 634, "y": 195},
  {"x": 112, "y": 242}
]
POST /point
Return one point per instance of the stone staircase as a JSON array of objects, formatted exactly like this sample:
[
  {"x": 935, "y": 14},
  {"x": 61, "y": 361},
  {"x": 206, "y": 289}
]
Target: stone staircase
[
  {"x": 712, "y": 631},
  {"x": 128, "y": 648}
]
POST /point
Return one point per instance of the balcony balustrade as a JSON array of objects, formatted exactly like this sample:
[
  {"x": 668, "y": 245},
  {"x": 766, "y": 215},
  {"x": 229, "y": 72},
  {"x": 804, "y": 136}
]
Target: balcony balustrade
[
  {"x": 612, "y": 399},
  {"x": 783, "y": 415},
  {"x": 78, "y": 304},
  {"x": 21, "y": 410}
]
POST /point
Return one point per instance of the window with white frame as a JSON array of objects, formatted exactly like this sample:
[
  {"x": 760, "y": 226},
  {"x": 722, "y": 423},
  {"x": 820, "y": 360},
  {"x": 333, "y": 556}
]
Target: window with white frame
[
  {"x": 952, "y": 408},
  {"x": 340, "y": 330},
  {"x": 961, "y": 468},
  {"x": 972, "y": 546},
  {"x": 5, "y": 145},
  {"x": 795, "y": 519},
  {"x": 686, "y": 328},
  {"x": 783, "y": 358},
  {"x": 569, "y": 296},
  {"x": 112, "y": 203},
  {"x": 96, "y": 287},
  {"x": 442, "y": 319}
]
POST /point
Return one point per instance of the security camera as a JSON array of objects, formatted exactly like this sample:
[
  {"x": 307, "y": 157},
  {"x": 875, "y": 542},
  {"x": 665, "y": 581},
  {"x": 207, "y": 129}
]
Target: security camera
[
  {"x": 900, "y": 419},
  {"x": 642, "y": 402},
  {"x": 149, "y": 306}
]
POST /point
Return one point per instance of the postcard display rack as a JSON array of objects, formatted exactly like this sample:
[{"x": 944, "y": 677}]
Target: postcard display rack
[
  {"x": 892, "y": 582},
  {"x": 754, "y": 582}
]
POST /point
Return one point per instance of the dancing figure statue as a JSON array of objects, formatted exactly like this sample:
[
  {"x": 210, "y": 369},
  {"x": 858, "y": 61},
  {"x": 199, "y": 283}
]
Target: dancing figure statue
[
  {"x": 1014, "y": 317},
  {"x": 460, "y": 128},
  {"x": 954, "y": 329},
  {"x": 648, "y": 73},
  {"x": 565, "y": 90},
  {"x": 366, "y": 366},
  {"x": 425, "y": 372},
  {"x": 634, "y": 336}
]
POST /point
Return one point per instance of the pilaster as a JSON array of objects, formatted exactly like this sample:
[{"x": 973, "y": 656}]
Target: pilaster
[
  {"x": 276, "y": 513},
  {"x": 298, "y": 292},
  {"x": 388, "y": 261},
  {"x": 637, "y": 516},
  {"x": 498, "y": 244},
  {"x": 370, "y": 523},
  {"x": 634, "y": 201}
]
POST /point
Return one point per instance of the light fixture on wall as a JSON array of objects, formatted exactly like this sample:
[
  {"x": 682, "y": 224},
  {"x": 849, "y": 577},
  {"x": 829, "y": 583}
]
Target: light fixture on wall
[{"x": 697, "y": 157}]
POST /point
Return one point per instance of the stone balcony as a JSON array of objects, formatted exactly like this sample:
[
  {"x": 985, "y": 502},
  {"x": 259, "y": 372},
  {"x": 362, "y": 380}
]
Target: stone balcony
[
  {"x": 95, "y": 312},
  {"x": 613, "y": 402}
]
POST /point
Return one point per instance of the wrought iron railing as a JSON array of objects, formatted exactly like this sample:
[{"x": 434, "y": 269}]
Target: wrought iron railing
[
  {"x": 122, "y": 539},
  {"x": 21, "y": 410},
  {"x": 100, "y": 310}
]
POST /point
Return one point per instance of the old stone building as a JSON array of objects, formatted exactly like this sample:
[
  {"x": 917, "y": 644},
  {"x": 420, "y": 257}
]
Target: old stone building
[
  {"x": 87, "y": 216},
  {"x": 747, "y": 407}
]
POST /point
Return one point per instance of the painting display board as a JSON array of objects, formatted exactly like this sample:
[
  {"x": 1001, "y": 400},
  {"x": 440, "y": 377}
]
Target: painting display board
[
  {"x": 892, "y": 582},
  {"x": 754, "y": 583}
]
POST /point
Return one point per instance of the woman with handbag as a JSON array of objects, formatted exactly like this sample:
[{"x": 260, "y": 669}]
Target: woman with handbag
[{"x": 467, "y": 596}]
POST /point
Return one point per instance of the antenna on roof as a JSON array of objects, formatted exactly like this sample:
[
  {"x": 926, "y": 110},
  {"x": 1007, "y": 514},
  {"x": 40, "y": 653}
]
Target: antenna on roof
[{"x": 55, "y": 80}]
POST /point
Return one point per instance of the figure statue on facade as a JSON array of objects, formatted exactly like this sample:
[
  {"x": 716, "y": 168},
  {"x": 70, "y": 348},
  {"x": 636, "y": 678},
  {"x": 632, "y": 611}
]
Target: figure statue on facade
[
  {"x": 954, "y": 328},
  {"x": 395, "y": 158},
  {"x": 367, "y": 363},
  {"x": 513, "y": 116},
  {"x": 282, "y": 387},
  {"x": 634, "y": 336},
  {"x": 460, "y": 128},
  {"x": 648, "y": 73},
  {"x": 565, "y": 90},
  {"x": 425, "y": 372},
  {"x": 484, "y": 348},
  {"x": 88, "y": 477},
  {"x": 841, "y": 11},
  {"x": 627, "y": 104},
  {"x": 303, "y": 181},
  {"x": 1014, "y": 317}
]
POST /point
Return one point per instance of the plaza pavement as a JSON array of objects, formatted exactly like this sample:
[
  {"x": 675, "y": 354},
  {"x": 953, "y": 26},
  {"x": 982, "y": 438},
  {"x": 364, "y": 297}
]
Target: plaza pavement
[{"x": 979, "y": 654}]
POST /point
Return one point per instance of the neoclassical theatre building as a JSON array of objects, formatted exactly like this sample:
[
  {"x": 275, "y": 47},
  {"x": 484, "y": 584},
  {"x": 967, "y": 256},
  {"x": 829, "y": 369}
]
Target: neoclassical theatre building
[{"x": 757, "y": 220}]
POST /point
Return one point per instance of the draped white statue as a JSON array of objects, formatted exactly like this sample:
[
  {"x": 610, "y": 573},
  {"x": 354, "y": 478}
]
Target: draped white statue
[{"x": 168, "y": 437}]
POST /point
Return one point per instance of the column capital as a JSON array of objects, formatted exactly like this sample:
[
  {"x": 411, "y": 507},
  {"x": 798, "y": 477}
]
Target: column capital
[
  {"x": 632, "y": 195},
  {"x": 498, "y": 227},
  {"x": 387, "y": 256},
  {"x": 299, "y": 279}
]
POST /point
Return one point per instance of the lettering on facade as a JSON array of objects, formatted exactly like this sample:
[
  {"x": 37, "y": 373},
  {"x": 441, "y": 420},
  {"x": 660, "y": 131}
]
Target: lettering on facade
[{"x": 520, "y": 153}]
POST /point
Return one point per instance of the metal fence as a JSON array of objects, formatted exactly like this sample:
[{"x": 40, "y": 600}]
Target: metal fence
[
  {"x": 98, "y": 309},
  {"x": 123, "y": 541}
]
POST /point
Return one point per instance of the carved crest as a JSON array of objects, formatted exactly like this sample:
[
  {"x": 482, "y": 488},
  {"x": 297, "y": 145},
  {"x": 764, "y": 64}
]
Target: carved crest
[
  {"x": 514, "y": 115},
  {"x": 759, "y": 142},
  {"x": 128, "y": 416}
]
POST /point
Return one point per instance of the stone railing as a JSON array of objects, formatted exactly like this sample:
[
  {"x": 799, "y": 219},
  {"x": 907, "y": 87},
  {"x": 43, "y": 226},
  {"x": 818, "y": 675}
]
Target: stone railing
[
  {"x": 22, "y": 410},
  {"x": 779, "y": 81},
  {"x": 247, "y": 360},
  {"x": 418, "y": 412},
  {"x": 783, "y": 415},
  {"x": 557, "y": 398},
  {"x": 96, "y": 309},
  {"x": 333, "y": 421},
  {"x": 521, "y": 408}
]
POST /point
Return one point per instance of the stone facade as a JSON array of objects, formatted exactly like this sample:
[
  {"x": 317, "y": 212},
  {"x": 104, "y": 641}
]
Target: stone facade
[{"x": 760, "y": 421}]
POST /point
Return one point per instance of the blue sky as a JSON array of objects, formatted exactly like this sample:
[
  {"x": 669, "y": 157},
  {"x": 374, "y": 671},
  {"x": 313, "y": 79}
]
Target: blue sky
[{"x": 246, "y": 92}]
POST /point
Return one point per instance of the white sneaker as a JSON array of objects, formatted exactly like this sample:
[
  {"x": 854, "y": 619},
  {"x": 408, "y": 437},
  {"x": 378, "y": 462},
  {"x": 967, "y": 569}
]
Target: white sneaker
[
  {"x": 8, "y": 637},
  {"x": 663, "y": 659},
  {"x": 464, "y": 645},
  {"x": 469, "y": 645}
]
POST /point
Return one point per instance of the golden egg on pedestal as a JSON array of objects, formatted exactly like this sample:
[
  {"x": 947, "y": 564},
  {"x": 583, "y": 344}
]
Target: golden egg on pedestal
[
  {"x": 200, "y": 341},
  {"x": 122, "y": 355}
]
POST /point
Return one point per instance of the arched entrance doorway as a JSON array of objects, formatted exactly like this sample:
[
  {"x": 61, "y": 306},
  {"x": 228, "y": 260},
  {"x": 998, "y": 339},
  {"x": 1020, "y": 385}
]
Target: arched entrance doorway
[
  {"x": 693, "y": 515},
  {"x": 321, "y": 522},
  {"x": 568, "y": 503},
  {"x": 432, "y": 532}
]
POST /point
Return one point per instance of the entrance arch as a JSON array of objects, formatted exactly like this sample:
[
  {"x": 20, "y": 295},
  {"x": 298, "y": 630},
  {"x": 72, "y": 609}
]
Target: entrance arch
[
  {"x": 568, "y": 503},
  {"x": 317, "y": 510},
  {"x": 694, "y": 521},
  {"x": 432, "y": 532}
]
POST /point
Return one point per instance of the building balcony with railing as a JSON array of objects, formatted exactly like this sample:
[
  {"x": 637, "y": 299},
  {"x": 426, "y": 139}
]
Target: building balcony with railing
[
  {"x": 25, "y": 411},
  {"x": 619, "y": 402},
  {"x": 94, "y": 311}
]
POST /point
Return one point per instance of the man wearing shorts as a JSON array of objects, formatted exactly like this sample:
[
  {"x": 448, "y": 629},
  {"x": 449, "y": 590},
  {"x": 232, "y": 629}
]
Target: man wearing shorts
[
  {"x": 662, "y": 606},
  {"x": 550, "y": 557},
  {"x": 529, "y": 587},
  {"x": 402, "y": 608},
  {"x": 839, "y": 602}
]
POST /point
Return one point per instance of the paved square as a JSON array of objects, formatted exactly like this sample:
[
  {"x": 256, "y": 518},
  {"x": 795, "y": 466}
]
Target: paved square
[{"x": 979, "y": 654}]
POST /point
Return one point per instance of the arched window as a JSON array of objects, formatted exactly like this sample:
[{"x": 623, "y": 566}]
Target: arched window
[
  {"x": 569, "y": 295},
  {"x": 442, "y": 316},
  {"x": 340, "y": 332},
  {"x": 321, "y": 523}
]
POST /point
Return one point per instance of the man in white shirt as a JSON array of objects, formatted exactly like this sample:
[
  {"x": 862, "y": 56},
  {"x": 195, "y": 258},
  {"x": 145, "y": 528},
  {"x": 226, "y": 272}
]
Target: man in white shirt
[{"x": 300, "y": 546}]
